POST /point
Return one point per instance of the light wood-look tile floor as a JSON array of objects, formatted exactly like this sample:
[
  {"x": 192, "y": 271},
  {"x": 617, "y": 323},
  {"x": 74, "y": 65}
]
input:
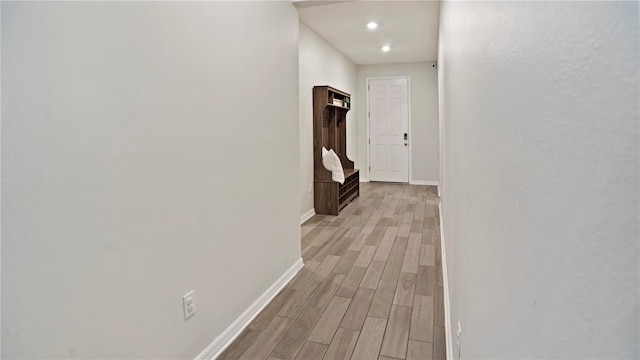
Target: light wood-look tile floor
[{"x": 371, "y": 287}]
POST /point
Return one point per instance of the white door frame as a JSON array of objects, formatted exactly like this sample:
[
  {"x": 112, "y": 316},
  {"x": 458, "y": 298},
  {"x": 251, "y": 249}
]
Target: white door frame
[{"x": 408, "y": 78}]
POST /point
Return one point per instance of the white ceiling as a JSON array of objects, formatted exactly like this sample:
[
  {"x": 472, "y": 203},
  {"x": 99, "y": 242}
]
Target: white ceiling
[{"x": 409, "y": 27}]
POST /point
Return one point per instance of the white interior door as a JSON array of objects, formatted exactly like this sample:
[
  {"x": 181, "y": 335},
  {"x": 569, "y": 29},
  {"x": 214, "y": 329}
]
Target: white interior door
[{"x": 388, "y": 130}]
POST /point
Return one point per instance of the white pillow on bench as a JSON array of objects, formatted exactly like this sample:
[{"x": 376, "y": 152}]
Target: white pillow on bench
[{"x": 331, "y": 162}]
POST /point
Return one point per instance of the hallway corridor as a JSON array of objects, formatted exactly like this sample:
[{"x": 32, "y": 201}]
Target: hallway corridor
[{"x": 371, "y": 287}]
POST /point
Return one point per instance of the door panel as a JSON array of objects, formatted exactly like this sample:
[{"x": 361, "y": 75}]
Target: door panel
[
  {"x": 395, "y": 117},
  {"x": 388, "y": 122},
  {"x": 381, "y": 156},
  {"x": 397, "y": 157},
  {"x": 381, "y": 124}
]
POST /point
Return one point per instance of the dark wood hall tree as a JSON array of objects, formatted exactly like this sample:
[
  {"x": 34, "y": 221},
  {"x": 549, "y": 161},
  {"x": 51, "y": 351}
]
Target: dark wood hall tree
[{"x": 330, "y": 107}]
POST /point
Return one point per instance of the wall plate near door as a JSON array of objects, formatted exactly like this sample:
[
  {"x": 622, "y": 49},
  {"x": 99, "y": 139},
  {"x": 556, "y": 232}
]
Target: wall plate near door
[{"x": 188, "y": 304}]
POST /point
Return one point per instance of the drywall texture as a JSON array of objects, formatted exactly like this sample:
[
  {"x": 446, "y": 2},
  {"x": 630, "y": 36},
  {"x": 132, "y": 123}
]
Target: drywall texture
[
  {"x": 139, "y": 141},
  {"x": 540, "y": 187},
  {"x": 321, "y": 64},
  {"x": 423, "y": 134}
]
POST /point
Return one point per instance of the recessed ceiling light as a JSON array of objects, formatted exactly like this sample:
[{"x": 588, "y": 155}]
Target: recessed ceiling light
[
  {"x": 386, "y": 48},
  {"x": 372, "y": 25}
]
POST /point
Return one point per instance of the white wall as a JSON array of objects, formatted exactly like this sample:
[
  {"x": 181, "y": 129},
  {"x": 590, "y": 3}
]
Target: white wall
[
  {"x": 321, "y": 64},
  {"x": 137, "y": 145},
  {"x": 540, "y": 177},
  {"x": 424, "y": 116}
]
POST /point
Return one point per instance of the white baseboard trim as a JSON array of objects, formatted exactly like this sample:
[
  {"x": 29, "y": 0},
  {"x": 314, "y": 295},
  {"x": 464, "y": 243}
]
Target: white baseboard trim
[
  {"x": 445, "y": 287},
  {"x": 423, "y": 182},
  {"x": 364, "y": 180},
  {"x": 306, "y": 216},
  {"x": 231, "y": 333}
]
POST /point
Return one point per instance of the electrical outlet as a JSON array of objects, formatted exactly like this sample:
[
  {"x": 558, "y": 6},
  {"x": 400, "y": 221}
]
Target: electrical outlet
[
  {"x": 310, "y": 188},
  {"x": 458, "y": 339},
  {"x": 189, "y": 304}
]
